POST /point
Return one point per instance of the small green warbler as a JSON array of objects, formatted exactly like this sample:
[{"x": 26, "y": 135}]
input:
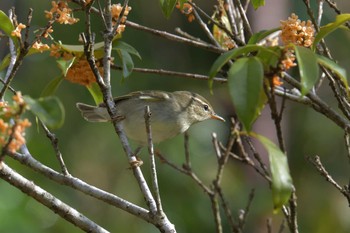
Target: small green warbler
[{"x": 172, "y": 113}]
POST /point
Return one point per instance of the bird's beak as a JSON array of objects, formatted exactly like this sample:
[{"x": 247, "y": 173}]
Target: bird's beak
[{"x": 217, "y": 117}]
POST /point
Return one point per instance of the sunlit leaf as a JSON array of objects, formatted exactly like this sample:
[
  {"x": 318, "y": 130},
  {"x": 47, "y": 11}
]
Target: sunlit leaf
[
  {"x": 334, "y": 67},
  {"x": 52, "y": 86},
  {"x": 96, "y": 93},
  {"x": 282, "y": 184},
  {"x": 325, "y": 30},
  {"x": 245, "y": 82},
  {"x": 7, "y": 27},
  {"x": 167, "y": 7},
  {"x": 308, "y": 68},
  {"x": 48, "y": 109},
  {"x": 258, "y": 3}
]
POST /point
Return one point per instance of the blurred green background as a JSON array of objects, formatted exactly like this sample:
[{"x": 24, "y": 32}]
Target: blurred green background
[{"x": 93, "y": 153}]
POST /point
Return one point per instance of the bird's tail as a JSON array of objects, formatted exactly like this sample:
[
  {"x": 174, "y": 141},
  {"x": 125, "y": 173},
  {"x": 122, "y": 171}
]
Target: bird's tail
[{"x": 93, "y": 113}]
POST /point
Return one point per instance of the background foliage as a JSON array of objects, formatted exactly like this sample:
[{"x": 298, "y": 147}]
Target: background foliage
[{"x": 92, "y": 151}]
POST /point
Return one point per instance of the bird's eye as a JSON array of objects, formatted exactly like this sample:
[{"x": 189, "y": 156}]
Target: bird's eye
[{"x": 206, "y": 107}]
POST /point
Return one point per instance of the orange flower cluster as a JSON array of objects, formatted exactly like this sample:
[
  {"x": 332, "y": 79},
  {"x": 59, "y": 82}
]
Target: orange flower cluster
[
  {"x": 61, "y": 12},
  {"x": 288, "y": 61},
  {"x": 116, "y": 9},
  {"x": 40, "y": 46},
  {"x": 81, "y": 73},
  {"x": 12, "y": 136},
  {"x": 297, "y": 32},
  {"x": 187, "y": 10},
  {"x": 17, "y": 31}
]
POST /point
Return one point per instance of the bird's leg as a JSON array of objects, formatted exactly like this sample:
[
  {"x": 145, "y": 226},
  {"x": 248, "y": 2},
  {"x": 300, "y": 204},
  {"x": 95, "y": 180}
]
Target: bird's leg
[
  {"x": 138, "y": 162},
  {"x": 118, "y": 118}
]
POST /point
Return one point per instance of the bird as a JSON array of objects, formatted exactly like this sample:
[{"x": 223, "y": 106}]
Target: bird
[{"x": 172, "y": 113}]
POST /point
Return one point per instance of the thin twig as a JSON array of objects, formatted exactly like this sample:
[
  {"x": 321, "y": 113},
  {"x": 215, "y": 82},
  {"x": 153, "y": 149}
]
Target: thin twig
[
  {"x": 243, "y": 217},
  {"x": 77, "y": 184},
  {"x": 316, "y": 161},
  {"x": 154, "y": 178},
  {"x": 187, "y": 151},
  {"x": 54, "y": 143},
  {"x": 172, "y": 73},
  {"x": 176, "y": 38},
  {"x": 206, "y": 29},
  {"x": 333, "y": 5},
  {"x": 319, "y": 105}
]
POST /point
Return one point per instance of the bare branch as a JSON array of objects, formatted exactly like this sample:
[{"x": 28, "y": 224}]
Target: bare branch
[
  {"x": 153, "y": 163},
  {"x": 316, "y": 161},
  {"x": 54, "y": 143},
  {"x": 47, "y": 199}
]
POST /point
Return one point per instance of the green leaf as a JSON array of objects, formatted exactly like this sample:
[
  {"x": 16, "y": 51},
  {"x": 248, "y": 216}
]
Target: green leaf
[
  {"x": 7, "y": 27},
  {"x": 5, "y": 62},
  {"x": 120, "y": 45},
  {"x": 245, "y": 82},
  {"x": 255, "y": 38},
  {"x": 167, "y": 7},
  {"x": 308, "y": 68},
  {"x": 49, "y": 110},
  {"x": 64, "y": 65},
  {"x": 52, "y": 86},
  {"x": 127, "y": 63},
  {"x": 334, "y": 67},
  {"x": 258, "y": 3},
  {"x": 232, "y": 54},
  {"x": 270, "y": 57},
  {"x": 282, "y": 184},
  {"x": 325, "y": 30},
  {"x": 96, "y": 93}
]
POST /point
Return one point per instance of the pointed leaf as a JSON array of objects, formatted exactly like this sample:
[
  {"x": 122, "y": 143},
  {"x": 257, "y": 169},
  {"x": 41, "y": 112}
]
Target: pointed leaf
[
  {"x": 7, "y": 27},
  {"x": 325, "y": 30},
  {"x": 167, "y": 7},
  {"x": 96, "y": 93},
  {"x": 308, "y": 68},
  {"x": 48, "y": 109},
  {"x": 245, "y": 82},
  {"x": 64, "y": 65},
  {"x": 127, "y": 63},
  {"x": 334, "y": 67},
  {"x": 52, "y": 86},
  {"x": 117, "y": 44},
  {"x": 258, "y": 3},
  {"x": 232, "y": 54},
  {"x": 255, "y": 38},
  {"x": 282, "y": 184}
]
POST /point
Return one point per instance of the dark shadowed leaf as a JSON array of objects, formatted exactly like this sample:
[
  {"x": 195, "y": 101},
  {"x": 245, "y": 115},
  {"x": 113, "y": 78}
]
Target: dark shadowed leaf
[
  {"x": 52, "y": 86},
  {"x": 167, "y": 7},
  {"x": 48, "y": 109}
]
